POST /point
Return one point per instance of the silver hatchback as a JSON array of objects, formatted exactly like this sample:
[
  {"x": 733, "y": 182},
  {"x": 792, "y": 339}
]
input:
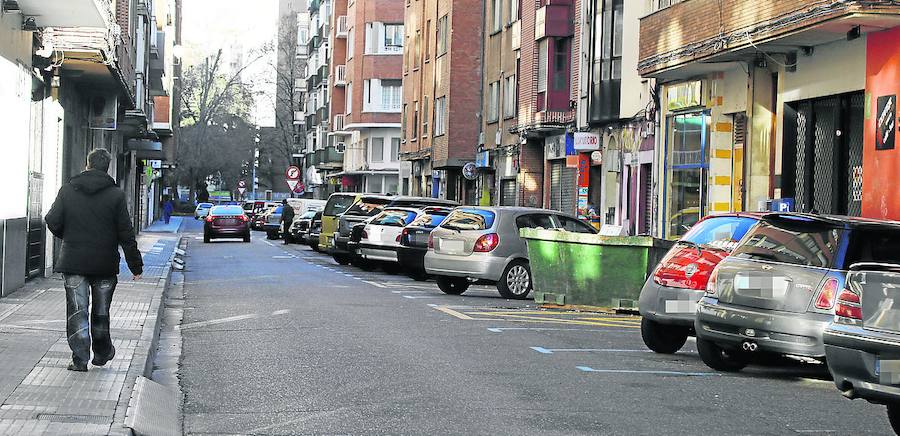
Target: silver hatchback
[
  {"x": 776, "y": 293},
  {"x": 483, "y": 244}
]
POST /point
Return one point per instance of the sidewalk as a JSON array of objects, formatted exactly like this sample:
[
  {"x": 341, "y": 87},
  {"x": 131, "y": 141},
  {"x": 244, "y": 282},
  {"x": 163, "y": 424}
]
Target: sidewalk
[
  {"x": 37, "y": 394},
  {"x": 162, "y": 227}
]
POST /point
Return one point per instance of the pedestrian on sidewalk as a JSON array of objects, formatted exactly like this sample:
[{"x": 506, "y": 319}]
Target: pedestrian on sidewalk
[
  {"x": 287, "y": 218},
  {"x": 168, "y": 209},
  {"x": 91, "y": 217}
]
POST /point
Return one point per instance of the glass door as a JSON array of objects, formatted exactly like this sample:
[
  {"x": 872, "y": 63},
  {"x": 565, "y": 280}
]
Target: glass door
[{"x": 687, "y": 171}]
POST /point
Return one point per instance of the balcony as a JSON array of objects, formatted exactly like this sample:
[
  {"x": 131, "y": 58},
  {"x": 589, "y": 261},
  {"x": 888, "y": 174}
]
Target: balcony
[
  {"x": 340, "y": 75},
  {"x": 683, "y": 34},
  {"x": 299, "y": 118},
  {"x": 342, "y": 29},
  {"x": 69, "y": 13},
  {"x": 338, "y": 125},
  {"x": 554, "y": 20},
  {"x": 329, "y": 158},
  {"x": 323, "y": 71}
]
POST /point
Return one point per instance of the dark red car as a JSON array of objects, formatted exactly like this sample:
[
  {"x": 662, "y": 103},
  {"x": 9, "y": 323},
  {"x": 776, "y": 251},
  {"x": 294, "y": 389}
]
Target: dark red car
[
  {"x": 226, "y": 222},
  {"x": 668, "y": 301}
]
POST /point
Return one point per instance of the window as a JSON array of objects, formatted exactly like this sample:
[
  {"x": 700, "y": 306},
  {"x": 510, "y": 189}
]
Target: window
[
  {"x": 391, "y": 95},
  {"x": 395, "y": 149},
  {"x": 493, "y": 102},
  {"x": 425, "y": 116},
  {"x": 720, "y": 232},
  {"x": 403, "y": 122},
  {"x": 606, "y": 69},
  {"x": 440, "y": 109},
  {"x": 560, "y": 64},
  {"x": 575, "y": 226},
  {"x": 394, "y": 218},
  {"x": 510, "y": 97},
  {"x": 348, "y": 108},
  {"x": 375, "y": 184},
  {"x": 513, "y": 11},
  {"x": 393, "y": 37},
  {"x": 796, "y": 241},
  {"x": 415, "y": 120},
  {"x": 542, "y": 66},
  {"x": 377, "y": 150},
  {"x": 469, "y": 219},
  {"x": 428, "y": 40},
  {"x": 534, "y": 222},
  {"x": 497, "y": 11},
  {"x": 417, "y": 53},
  {"x": 442, "y": 35},
  {"x": 350, "y": 44}
]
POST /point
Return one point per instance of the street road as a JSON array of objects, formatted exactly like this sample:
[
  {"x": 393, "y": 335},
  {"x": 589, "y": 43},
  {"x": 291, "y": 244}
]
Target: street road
[{"x": 284, "y": 341}]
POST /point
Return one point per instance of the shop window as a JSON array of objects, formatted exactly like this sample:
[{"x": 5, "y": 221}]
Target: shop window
[
  {"x": 606, "y": 65},
  {"x": 687, "y": 171}
]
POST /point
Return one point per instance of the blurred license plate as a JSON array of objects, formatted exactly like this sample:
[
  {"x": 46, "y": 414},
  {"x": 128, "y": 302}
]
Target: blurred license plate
[
  {"x": 681, "y": 306},
  {"x": 761, "y": 286},
  {"x": 452, "y": 245},
  {"x": 888, "y": 371},
  {"x": 228, "y": 222}
]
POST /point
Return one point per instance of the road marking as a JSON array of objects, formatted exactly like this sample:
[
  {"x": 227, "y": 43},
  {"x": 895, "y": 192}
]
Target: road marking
[
  {"x": 281, "y": 312},
  {"x": 452, "y": 312},
  {"x": 539, "y": 329},
  {"x": 376, "y": 284},
  {"x": 526, "y": 318},
  {"x": 638, "y": 371},
  {"x": 407, "y": 292},
  {"x": 417, "y": 297},
  {"x": 284, "y": 257},
  {"x": 543, "y": 350},
  {"x": 269, "y": 243},
  {"x": 215, "y": 321}
]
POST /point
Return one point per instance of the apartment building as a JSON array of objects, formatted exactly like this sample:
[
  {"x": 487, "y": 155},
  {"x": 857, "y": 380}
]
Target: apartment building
[
  {"x": 497, "y": 145},
  {"x": 368, "y": 130},
  {"x": 442, "y": 76},
  {"x": 792, "y": 102}
]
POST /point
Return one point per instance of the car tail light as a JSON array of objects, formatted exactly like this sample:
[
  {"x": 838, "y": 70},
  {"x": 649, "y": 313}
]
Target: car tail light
[
  {"x": 827, "y": 292},
  {"x": 209, "y": 219},
  {"x": 364, "y": 235},
  {"x": 244, "y": 218},
  {"x": 848, "y": 305},
  {"x": 713, "y": 283},
  {"x": 431, "y": 241},
  {"x": 487, "y": 243}
]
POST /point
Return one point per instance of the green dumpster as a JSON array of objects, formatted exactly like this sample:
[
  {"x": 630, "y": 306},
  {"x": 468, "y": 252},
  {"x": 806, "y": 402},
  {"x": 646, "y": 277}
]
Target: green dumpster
[{"x": 592, "y": 270}]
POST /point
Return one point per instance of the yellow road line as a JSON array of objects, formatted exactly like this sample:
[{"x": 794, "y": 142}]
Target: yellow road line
[
  {"x": 463, "y": 316},
  {"x": 537, "y": 319}
]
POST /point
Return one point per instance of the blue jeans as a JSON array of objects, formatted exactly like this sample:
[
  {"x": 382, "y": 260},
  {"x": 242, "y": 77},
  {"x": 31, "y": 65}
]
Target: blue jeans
[{"x": 79, "y": 292}]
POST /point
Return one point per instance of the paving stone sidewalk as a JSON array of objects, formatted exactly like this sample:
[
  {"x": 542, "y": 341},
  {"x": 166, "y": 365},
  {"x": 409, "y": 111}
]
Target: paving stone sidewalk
[{"x": 38, "y": 396}]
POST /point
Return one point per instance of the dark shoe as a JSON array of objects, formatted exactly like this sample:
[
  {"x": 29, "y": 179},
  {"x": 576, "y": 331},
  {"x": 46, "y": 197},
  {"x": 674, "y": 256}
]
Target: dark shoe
[
  {"x": 79, "y": 367},
  {"x": 100, "y": 361}
]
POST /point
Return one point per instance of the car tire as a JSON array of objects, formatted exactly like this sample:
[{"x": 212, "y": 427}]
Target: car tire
[
  {"x": 516, "y": 282},
  {"x": 453, "y": 285},
  {"x": 661, "y": 338},
  {"x": 315, "y": 247},
  {"x": 893, "y": 412},
  {"x": 341, "y": 259},
  {"x": 719, "y": 358},
  {"x": 364, "y": 264}
]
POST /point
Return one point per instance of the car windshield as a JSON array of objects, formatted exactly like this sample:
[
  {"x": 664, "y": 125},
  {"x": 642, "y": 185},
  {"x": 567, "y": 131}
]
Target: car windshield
[
  {"x": 226, "y": 210},
  {"x": 469, "y": 219},
  {"x": 337, "y": 204},
  {"x": 366, "y": 208},
  {"x": 430, "y": 220},
  {"x": 793, "y": 240},
  {"x": 720, "y": 232},
  {"x": 394, "y": 218},
  {"x": 308, "y": 215},
  {"x": 204, "y": 206}
]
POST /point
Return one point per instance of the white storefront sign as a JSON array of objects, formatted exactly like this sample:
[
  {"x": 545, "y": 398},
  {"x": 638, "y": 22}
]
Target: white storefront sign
[{"x": 587, "y": 141}]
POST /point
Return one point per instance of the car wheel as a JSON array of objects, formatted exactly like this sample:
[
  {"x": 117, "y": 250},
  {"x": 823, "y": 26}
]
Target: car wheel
[
  {"x": 893, "y": 411},
  {"x": 661, "y": 338},
  {"x": 453, "y": 285},
  {"x": 363, "y": 264},
  {"x": 315, "y": 247},
  {"x": 515, "y": 283},
  {"x": 341, "y": 259},
  {"x": 719, "y": 358},
  {"x": 206, "y": 238}
]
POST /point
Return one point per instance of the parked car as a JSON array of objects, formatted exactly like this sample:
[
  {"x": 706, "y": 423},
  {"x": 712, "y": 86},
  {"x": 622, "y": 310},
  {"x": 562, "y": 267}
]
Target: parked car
[
  {"x": 380, "y": 238},
  {"x": 414, "y": 241},
  {"x": 776, "y": 292},
  {"x": 202, "y": 210},
  {"x": 311, "y": 236},
  {"x": 862, "y": 345},
  {"x": 669, "y": 298},
  {"x": 483, "y": 244},
  {"x": 365, "y": 207},
  {"x": 272, "y": 224},
  {"x": 259, "y": 220},
  {"x": 301, "y": 225},
  {"x": 337, "y": 204},
  {"x": 226, "y": 222}
]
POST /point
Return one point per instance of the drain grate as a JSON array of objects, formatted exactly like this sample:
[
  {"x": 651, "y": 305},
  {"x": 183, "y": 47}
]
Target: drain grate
[{"x": 77, "y": 419}]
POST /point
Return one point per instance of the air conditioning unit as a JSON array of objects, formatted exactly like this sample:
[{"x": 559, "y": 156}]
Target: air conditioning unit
[{"x": 340, "y": 147}]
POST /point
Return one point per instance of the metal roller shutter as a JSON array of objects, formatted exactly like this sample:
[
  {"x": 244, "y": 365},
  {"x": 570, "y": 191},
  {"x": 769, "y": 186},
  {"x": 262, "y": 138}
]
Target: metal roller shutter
[
  {"x": 562, "y": 187},
  {"x": 507, "y": 192}
]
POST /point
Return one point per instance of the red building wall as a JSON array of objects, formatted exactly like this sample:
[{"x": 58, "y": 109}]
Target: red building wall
[{"x": 881, "y": 168}]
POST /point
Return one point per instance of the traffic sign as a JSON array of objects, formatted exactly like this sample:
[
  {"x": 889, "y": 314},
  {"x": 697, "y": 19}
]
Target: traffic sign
[{"x": 292, "y": 177}]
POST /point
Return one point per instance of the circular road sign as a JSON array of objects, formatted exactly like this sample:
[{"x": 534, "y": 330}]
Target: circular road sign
[{"x": 293, "y": 173}]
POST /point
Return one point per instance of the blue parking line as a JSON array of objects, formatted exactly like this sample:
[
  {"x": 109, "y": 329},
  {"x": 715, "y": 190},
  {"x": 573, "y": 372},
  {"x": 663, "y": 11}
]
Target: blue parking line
[
  {"x": 542, "y": 350},
  {"x": 637, "y": 371}
]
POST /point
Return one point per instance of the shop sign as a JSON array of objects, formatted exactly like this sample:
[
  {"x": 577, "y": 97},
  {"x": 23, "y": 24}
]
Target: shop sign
[
  {"x": 783, "y": 205},
  {"x": 586, "y": 141},
  {"x": 483, "y": 159},
  {"x": 555, "y": 147},
  {"x": 584, "y": 183},
  {"x": 684, "y": 95},
  {"x": 597, "y": 158},
  {"x": 885, "y": 134},
  {"x": 155, "y": 164},
  {"x": 470, "y": 171}
]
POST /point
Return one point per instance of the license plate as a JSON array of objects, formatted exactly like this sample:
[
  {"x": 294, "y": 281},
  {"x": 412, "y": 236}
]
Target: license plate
[
  {"x": 452, "y": 245},
  {"x": 227, "y": 222},
  {"x": 770, "y": 287},
  {"x": 681, "y": 306},
  {"x": 888, "y": 371}
]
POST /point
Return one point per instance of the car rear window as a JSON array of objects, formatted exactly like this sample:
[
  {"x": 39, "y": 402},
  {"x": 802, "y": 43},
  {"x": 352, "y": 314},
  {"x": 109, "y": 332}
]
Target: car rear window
[
  {"x": 337, "y": 204},
  {"x": 227, "y": 210},
  {"x": 720, "y": 232},
  {"x": 430, "y": 220},
  {"x": 869, "y": 244},
  {"x": 469, "y": 219},
  {"x": 367, "y": 208},
  {"x": 794, "y": 240},
  {"x": 394, "y": 218}
]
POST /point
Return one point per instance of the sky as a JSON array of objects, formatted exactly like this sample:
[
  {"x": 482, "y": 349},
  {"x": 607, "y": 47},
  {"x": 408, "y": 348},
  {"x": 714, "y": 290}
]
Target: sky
[{"x": 234, "y": 26}]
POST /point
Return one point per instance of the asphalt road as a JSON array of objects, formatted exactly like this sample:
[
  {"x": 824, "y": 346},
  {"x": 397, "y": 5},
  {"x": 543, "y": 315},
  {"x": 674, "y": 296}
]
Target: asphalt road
[{"x": 284, "y": 341}]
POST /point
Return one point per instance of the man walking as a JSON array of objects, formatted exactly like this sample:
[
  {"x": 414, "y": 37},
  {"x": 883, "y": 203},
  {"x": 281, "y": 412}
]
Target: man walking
[
  {"x": 287, "y": 218},
  {"x": 91, "y": 218}
]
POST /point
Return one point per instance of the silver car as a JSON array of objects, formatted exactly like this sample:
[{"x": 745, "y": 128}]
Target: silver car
[
  {"x": 776, "y": 292},
  {"x": 380, "y": 238},
  {"x": 483, "y": 244},
  {"x": 862, "y": 345}
]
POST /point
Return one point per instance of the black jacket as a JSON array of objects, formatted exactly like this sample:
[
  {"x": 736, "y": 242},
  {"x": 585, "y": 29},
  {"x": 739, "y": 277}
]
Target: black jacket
[
  {"x": 287, "y": 216},
  {"x": 91, "y": 218}
]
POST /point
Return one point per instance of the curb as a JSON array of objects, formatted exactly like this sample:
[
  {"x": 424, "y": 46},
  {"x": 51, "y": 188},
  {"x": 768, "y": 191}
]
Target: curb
[{"x": 594, "y": 309}]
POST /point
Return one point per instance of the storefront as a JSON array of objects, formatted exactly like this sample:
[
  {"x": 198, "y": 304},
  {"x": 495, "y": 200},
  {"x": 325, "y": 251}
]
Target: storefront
[{"x": 686, "y": 170}]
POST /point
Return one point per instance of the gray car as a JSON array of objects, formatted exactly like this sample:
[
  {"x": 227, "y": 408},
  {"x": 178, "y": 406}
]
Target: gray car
[
  {"x": 776, "y": 292},
  {"x": 483, "y": 244},
  {"x": 862, "y": 345}
]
